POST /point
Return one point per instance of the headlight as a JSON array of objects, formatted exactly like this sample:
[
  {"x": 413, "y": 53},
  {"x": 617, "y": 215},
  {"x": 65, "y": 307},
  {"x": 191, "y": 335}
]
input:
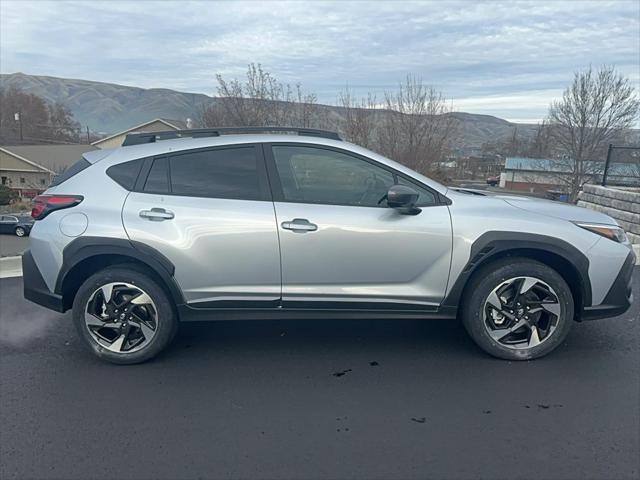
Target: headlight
[{"x": 612, "y": 233}]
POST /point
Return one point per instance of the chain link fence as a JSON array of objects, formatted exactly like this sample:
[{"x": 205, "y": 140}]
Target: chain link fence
[{"x": 622, "y": 167}]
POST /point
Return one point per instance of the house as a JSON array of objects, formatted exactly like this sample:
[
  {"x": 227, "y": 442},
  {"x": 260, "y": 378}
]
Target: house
[
  {"x": 28, "y": 169},
  {"x": 155, "y": 125},
  {"x": 534, "y": 175},
  {"x": 541, "y": 175}
]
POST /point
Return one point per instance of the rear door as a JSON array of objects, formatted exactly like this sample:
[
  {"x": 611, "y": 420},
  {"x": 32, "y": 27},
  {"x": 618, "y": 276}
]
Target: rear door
[
  {"x": 341, "y": 246},
  {"x": 209, "y": 211}
]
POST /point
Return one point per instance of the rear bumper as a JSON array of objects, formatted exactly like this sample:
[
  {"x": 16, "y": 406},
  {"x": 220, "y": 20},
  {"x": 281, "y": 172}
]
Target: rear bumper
[
  {"x": 35, "y": 289},
  {"x": 619, "y": 297}
]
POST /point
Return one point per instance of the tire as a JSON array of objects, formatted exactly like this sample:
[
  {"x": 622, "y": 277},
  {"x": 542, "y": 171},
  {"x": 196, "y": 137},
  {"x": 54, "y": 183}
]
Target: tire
[
  {"x": 545, "y": 311},
  {"x": 137, "y": 327},
  {"x": 20, "y": 232}
]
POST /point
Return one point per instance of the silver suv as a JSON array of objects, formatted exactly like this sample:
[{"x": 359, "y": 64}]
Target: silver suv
[{"x": 295, "y": 223}]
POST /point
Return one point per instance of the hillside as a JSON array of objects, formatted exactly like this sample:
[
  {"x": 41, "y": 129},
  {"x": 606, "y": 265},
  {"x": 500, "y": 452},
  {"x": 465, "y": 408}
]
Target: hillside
[
  {"x": 110, "y": 108},
  {"x": 107, "y": 107}
]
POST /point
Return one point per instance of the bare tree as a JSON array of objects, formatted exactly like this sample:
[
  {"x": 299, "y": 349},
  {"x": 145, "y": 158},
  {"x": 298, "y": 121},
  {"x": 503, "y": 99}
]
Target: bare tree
[
  {"x": 261, "y": 100},
  {"x": 516, "y": 145},
  {"x": 540, "y": 145},
  {"x": 358, "y": 124},
  {"x": 597, "y": 107},
  {"x": 416, "y": 130},
  {"x": 251, "y": 102},
  {"x": 305, "y": 112},
  {"x": 25, "y": 117},
  {"x": 62, "y": 124}
]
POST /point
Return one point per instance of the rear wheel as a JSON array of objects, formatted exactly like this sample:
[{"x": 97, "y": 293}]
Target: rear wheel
[
  {"x": 518, "y": 309},
  {"x": 123, "y": 315}
]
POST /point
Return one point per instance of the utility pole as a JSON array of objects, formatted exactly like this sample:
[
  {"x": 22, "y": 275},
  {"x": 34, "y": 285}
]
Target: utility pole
[
  {"x": 18, "y": 118},
  {"x": 88, "y": 137}
]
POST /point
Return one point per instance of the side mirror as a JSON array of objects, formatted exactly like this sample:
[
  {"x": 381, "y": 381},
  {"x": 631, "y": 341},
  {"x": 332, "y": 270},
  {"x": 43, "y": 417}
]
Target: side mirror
[{"x": 403, "y": 199}]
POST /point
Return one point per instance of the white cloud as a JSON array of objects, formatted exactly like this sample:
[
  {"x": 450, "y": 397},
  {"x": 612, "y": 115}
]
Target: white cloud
[
  {"x": 528, "y": 107},
  {"x": 501, "y": 57}
]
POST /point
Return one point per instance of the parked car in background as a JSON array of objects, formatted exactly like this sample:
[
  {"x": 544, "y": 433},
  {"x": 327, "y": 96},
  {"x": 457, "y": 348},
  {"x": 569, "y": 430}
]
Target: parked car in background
[
  {"x": 230, "y": 224},
  {"x": 493, "y": 181},
  {"x": 19, "y": 225}
]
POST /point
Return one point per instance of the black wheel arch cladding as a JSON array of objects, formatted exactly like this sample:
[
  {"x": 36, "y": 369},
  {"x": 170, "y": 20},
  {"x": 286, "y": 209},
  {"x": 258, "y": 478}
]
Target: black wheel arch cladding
[
  {"x": 493, "y": 245},
  {"x": 86, "y": 248}
]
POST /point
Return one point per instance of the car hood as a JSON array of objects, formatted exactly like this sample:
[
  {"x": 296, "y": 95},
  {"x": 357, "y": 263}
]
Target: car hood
[
  {"x": 558, "y": 210},
  {"x": 549, "y": 208}
]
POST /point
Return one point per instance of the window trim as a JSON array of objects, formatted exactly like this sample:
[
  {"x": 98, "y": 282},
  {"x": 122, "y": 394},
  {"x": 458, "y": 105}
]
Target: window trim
[
  {"x": 278, "y": 193},
  {"x": 263, "y": 181}
]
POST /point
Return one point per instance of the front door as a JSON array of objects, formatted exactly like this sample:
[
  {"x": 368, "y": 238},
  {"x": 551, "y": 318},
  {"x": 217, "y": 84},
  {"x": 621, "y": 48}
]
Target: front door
[
  {"x": 341, "y": 246},
  {"x": 209, "y": 211}
]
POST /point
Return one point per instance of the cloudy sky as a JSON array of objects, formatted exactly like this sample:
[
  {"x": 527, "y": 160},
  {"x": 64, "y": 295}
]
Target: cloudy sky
[{"x": 503, "y": 58}]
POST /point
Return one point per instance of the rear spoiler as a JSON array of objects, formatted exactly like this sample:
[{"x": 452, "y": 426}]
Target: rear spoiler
[{"x": 96, "y": 155}]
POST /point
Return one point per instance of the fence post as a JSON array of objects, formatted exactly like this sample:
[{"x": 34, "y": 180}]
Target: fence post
[{"x": 606, "y": 166}]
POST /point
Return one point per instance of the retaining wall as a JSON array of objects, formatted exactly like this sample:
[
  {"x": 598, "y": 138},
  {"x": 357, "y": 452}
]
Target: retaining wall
[{"x": 623, "y": 204}]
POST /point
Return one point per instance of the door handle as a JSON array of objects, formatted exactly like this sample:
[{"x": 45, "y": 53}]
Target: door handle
[
  {"x": 300, "y": 225},
  {"x": 157, "y": 214}
]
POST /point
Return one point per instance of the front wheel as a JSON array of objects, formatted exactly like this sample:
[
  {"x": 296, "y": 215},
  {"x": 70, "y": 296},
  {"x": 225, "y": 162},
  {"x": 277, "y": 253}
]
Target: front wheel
[
  {"x": 123, "y": 315},
  {"x": 20, "y": 231},
  {"x": 518, "y": 309}
]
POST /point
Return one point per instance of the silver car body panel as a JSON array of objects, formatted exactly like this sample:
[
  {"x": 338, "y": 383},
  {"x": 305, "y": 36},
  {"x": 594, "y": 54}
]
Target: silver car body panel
[
  {"x": 474, "y": 215},
  {"x": 102, "y": 205},
  {"x": 605, "y": 261},
  {"x": 223, "y": 250},
  {"x": 559, "y": 210},
  {"x": 362, "y": 254},
  {"x": 231, "y": 249}
]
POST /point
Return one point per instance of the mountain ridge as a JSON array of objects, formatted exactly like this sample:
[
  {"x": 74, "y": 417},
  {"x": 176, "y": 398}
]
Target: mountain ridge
[{"x": 109, "y": 108}]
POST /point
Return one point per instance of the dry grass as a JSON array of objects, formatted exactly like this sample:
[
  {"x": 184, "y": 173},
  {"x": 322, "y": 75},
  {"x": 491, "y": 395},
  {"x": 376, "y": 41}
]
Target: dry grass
[{"x": 17, "y": 207}]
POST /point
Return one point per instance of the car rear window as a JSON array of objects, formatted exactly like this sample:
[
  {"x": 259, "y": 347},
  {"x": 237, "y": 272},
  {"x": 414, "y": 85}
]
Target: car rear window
[
  {"x": 126, "y": 174},
  {"x": 221, "y": 173},
  {"x": 74, "y": 169}
]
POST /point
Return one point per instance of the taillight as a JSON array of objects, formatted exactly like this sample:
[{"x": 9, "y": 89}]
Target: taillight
[{"x": 43, "y": 205}]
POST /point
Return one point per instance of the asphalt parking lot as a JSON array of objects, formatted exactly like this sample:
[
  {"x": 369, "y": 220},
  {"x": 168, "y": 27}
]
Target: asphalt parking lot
[
  {"x": 11, "y": 245},
  {"x": 317, "y": 399}
]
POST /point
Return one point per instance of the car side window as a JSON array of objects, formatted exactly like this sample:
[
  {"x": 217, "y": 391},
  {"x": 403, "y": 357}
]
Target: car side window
[
  {"x": 125, "y": 174},
  {"x": 317, "y": 175},
  {"x": 158, "y": 178},
  {"x": 426, "y": 197},
  {"x": 221, "y": 173}
]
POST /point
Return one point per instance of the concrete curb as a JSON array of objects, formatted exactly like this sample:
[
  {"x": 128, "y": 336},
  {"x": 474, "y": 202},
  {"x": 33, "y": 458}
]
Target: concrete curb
[{"x": 10, "y": 267}]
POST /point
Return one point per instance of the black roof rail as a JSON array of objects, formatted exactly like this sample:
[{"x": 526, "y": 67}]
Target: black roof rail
[{"x": 152, "y": 137}]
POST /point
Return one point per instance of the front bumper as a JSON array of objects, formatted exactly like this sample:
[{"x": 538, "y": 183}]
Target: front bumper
[
  {"x": 35, "y": 289},
  {"x": 619, "y": 297}
]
